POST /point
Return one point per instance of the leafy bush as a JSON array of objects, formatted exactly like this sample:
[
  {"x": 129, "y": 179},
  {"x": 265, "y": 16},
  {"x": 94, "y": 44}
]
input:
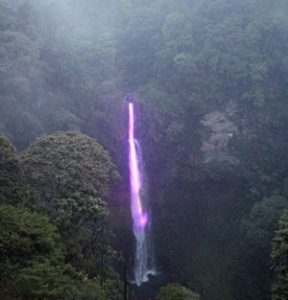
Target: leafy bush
[{"x": 176, "y": 292}]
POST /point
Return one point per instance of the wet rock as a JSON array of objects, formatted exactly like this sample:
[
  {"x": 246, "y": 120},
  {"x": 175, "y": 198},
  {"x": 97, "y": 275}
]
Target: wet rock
[{"x": 221, "y": 128}]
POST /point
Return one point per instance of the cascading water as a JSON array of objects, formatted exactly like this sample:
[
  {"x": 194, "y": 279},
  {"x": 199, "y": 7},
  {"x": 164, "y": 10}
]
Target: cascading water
[{"x": 143, "y": 262}]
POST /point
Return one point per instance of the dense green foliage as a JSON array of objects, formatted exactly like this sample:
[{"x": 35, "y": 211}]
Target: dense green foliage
[
  {"x": 64, "y": 163},
  {"x": 280, "y": 259},
  {"x": 210, "y": 83},
  {"x": 56, "y": 255},
  {"x": 72, "y": 174},
  {"x": 30, "y": 246},
  {"x": 12, "y": 188},
  {"x": 176, "y": 292}
]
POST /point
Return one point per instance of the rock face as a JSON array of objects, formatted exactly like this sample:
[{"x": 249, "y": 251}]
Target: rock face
[{"x": 221, "y": 129}]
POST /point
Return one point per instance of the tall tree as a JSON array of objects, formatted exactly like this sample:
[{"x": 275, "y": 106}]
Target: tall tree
[{"x": 63, "y": 163}]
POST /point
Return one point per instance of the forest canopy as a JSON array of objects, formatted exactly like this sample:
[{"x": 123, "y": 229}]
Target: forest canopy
[{"x": 209, "y": 82}]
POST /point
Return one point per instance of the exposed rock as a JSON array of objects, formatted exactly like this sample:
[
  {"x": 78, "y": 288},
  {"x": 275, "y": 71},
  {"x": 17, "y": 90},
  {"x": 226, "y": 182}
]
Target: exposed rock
[{"x": 221, "y": 130}]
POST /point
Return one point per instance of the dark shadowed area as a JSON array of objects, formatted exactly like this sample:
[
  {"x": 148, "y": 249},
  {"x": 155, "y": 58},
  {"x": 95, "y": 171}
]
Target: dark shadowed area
[{"x": 209, "y": 83}]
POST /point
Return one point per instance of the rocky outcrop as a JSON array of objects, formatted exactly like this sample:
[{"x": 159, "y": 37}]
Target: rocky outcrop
[{"x": 221, "y": 129}]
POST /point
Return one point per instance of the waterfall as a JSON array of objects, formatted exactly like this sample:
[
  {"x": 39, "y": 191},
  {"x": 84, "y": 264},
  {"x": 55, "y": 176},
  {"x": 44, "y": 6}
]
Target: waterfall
[{"x": 143, "y": 261}]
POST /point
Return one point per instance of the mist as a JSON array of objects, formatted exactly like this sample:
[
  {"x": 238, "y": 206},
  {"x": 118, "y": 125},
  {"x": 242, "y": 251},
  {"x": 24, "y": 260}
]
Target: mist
[{"x": 208, "y": 82}]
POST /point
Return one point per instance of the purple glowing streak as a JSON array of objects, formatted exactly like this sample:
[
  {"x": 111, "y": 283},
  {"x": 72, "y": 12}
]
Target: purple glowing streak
[
  {"x": 140, "y": 218},
  {"x": 144, "y": 260}
]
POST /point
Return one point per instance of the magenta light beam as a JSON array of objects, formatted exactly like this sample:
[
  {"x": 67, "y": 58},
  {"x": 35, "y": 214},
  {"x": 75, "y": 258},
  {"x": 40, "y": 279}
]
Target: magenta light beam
[{"x": 139, "y": 216}]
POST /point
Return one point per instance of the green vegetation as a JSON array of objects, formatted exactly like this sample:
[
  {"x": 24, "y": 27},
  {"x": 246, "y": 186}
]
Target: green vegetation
[
  {"x": 56, "y": 251},
  {"x": 210, "y": 82},
  {"x": 280, "y": 259},
  {"x": 176, "y": 292},
  {"x": 64, "y": 163}
]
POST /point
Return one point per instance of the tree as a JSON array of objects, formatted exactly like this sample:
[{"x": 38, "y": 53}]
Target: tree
[
  {"x": 176, "y": 292},
  {"x": 21, "y": 82},
  {"x": 32, "y": 261},
  {"x": 72, "y": 173},
  {"x": 280, "y": 259},
  {"x": 13, "y": 189},
  {"x": 177, "y": 32},
  {"x": 9, "y": 161},
  {"x": 259, "y": 226},
  {"x": 58, "y": 165},
  {"x": 137, "y": 45},
  {"x": 255, "y": 250},
  {"x": 27, "y": 240},
  {"x": 82, "y": 221}
]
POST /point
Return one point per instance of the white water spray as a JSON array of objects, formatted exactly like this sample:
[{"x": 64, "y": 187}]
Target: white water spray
[{"x": 143, "y": 262}]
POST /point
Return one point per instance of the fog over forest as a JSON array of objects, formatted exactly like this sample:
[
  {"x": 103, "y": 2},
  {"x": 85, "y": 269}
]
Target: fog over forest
[{"x": 144, "y": 149}]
